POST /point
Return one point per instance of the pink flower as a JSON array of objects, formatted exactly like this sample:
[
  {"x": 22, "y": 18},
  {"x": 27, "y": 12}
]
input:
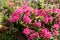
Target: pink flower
[
  {"x": 48, "y": 10},
  {"x": 45, "y": 14},
  {"x": 44, "y": 30},
  {"x": 39, "y": 13},
  {"x": 29, "y": 38},
  {"x": 27, "y": 9},
  {"x": 12, "y": 20},
  {"x": 36, "y": 11},
  {"x": 10, "y": 4},
  {"x": 56, "y": 26},
  {"x": 28, "y": 13},
  {"x": 59, "y": 22},
  {"x": 55, "y": 33},
  {"x": 38, "y": 24},
  {"x": 32, "y": 36},
  {"x": 48, "y": 35},
  {"x": 32, "y": 31},
  {"x": 14, "y": 14},
  {"x": 26, "y": 19},
  {"x": 25, "y": 3},
  {"x": 57, "y": 11},
  {"x": 45, "y": 33},
  {"x": 16, "y": 18},
  {"x": 46, "y": 20},
  {"x": 51, "y": 18},
  {"x": 59, "y": 15},
  {"x": 36, "y": 34},
  {"x": 19, "y": 11},
  {"x": 42, "y": 35},
  {"x": 24, "y": 8},
  {"x": 26, "y": 31}
]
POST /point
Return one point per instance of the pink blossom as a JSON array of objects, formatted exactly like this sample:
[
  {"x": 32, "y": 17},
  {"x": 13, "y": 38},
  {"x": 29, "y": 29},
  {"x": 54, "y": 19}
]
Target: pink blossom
[
  {"x": 19, "y": 11},
  {"x": 59, "y": 22},
  {"x": 10, "y": 4},
  {"x": 45, "y": 14},
  {"x": 32, "y": 31},
  {"x": 36, "y": 11},
  {"x": 56, "y": 26},
  {"x": 48, "y": 10},
  {"x": 32, "y": 36},
  {"x": 14, "y": 14},
  {"x": 12, "y": 20},
  {"x": 26, "y": 19},
  {"x": 26, "y": 31},
  {"x": 51, "y": 18},
  {"x": 24, "y": 8},
  {"x": 57, "y": 11},
  {"x": 42, "y": 35},
  {"x": 39, "y": 13},
  {"x": 48, "y": 35},
  {"x": 29, "y": 38},
  {"x": 38, "y": 24},
  {"x": 59, "y": 15},
  {"x": 16, "y": 18},
  {"x": 44, "y": 30},
  {"x": 27, "y": 9},
  {"x": 28, "y": 13},
  {"x": 45, "y": 33},
  {"x": 36, "y": 34},
  {"x": 25, "y": 3},
  {"x": 46, "y": 20},
  {"x": 55, "y": 33}
]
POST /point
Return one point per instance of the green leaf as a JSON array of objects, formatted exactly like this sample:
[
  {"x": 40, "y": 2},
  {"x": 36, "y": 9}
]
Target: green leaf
[
  {"x": 5, "y": 3},
  {"x": 1, "y": 2},
  {"x": 1, "y": 17},
  {"x": 11, "y": 9}
]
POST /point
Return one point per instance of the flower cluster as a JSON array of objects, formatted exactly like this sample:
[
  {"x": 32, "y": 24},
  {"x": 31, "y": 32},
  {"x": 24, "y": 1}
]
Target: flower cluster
[{"x": 40, "y": 22}]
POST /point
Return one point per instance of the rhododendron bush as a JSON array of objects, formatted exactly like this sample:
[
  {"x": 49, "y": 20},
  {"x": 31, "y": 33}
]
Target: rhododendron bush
[
  {"x": 26, "y": 22},
  {"x": 37, "y": 23}
]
